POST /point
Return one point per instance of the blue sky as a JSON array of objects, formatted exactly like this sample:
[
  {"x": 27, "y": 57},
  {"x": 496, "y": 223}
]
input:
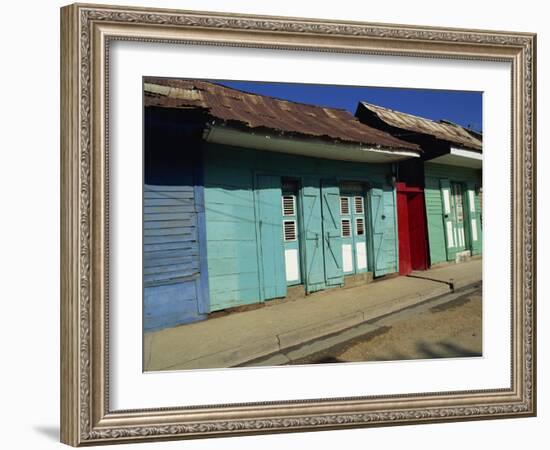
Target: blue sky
[{"x": 464, "y": 108}]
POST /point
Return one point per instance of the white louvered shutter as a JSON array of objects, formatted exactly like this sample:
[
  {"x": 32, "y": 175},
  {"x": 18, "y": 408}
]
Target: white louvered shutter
[
  {"x": 346, "y": 228},
  {"x": 359, "y": 205},
  {"x": 289, "y": 230},
  {"x": 289, "y": 205},
  {"x": 344, "y": 205}
]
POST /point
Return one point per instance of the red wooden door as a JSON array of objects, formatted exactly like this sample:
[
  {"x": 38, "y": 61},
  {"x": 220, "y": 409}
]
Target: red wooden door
[
  {"x": 411, "y": 222},
  {"x": 403, "y": 233}
]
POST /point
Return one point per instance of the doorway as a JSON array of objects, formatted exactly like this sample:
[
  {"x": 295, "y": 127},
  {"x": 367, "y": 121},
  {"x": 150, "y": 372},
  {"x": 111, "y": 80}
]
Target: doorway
[
  {"x": 322, "y": 239},
  {"x": 413, "y": 249},
  {"x": 353, "y": 226},
  {"x": 457, "y": 212}
]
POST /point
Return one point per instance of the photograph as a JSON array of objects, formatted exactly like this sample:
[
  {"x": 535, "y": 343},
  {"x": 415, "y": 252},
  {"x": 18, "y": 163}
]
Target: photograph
[
  {"x": 287, "y": 223},
  {"x": 295, "y": 223}
]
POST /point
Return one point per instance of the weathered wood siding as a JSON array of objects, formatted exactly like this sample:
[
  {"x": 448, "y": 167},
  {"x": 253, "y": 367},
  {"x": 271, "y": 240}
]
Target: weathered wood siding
[
  {"x": 174, "y": 243},
  {"x": 171, "y": 265},
  {"x": 231, "y": 216},
  {"x": 434, "y": 206}
]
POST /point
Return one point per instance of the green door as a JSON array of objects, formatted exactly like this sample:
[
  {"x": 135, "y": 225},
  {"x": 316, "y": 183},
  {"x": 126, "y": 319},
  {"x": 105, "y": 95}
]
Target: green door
[
  {"x": 272, "y": 266},
  {"x": 314, "y": 264},
  {"x": 378, "y": 227},
  {"x": 332, "y": 234},
  {"x": 448, "y": 225},
  {"x": 457, "y": 237},
  {"x": 354, "y": 243}
]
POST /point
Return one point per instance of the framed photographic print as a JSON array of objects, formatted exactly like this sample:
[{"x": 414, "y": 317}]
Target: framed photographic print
[{"x": 276, "y": 224}]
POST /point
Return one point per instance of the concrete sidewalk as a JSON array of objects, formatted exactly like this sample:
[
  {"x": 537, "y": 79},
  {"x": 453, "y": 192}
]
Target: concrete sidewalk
[
  {"x": 240, "y": 337},
  {"x": 458, "y": 276}
]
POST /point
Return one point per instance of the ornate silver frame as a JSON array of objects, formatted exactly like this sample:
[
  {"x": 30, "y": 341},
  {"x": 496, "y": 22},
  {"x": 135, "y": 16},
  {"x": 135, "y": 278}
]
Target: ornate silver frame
[{"x": 86, "y": 31}]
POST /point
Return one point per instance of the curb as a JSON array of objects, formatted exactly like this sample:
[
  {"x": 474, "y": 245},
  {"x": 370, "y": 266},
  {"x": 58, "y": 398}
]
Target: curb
[
  {"x": 295, "y": 338},
  {"x": 305, "y": 348},
  {"x": 272, "y": 347}
]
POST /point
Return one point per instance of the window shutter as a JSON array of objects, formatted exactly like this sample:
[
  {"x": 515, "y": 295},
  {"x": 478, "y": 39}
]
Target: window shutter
[
  {"x": 359, "y": 226},
  {"x": 344, "y": 205},
  {"x": 346, "y": 228},
  {"x": 359, "y": 205},
  {"x": 289, "y": 205},
  {"x": 289, "y": 230}
]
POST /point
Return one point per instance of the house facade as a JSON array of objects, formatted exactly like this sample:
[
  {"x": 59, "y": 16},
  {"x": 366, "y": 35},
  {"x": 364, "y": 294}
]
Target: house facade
[
  {"x": 248, "y": 198},
  {"x": 446, "y": 181}
]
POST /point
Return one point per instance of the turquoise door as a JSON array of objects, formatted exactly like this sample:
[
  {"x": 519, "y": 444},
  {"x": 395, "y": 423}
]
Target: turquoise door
[
  {"x": 312, "y": 235},
  {"x": 271, "y": 254},
  {"x": 332, "y": 234},
  {"x": 378, "y": 218},
  {"x": 354, "y": 242}
]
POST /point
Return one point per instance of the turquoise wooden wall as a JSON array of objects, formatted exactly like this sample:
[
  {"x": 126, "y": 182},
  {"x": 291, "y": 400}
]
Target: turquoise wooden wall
[
  {"x": 433, "y": 174},
  {"x": 232, "y": 226}
]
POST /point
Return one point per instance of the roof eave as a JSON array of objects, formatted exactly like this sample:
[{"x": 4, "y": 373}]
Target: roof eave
[{"x": 305, "y": 146}]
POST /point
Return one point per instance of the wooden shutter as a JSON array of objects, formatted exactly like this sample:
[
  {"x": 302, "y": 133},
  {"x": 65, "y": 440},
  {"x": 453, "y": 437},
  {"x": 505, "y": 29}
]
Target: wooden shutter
[
  {"x": 358, "y": 203},
  {"x": 344, "y": 205},
  {"x": 473, "y": 216},
  {"x": 448, "y": 224},
  {"x": 313, "y": 236},
  {"x": 378, "y": 230},
  {"x": 273, "y": 279},
  {"x": 289, "y": 205},
  {"x": 289, "y": 230},
  {"x": 332, "y": 236},
  {"x": 346, "y": 227},
  {"x": 359, "y": 226}
]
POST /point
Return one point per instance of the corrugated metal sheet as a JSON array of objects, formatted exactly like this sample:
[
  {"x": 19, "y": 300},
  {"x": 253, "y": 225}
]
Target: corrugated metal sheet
[
  {"x": 443, "y": 130},
  {"x": 257, "y": 111}
]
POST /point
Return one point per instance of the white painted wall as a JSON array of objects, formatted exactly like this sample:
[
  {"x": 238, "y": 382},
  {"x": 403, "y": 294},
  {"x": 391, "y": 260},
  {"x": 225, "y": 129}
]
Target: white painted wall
[{"x": 29, "y": 178}]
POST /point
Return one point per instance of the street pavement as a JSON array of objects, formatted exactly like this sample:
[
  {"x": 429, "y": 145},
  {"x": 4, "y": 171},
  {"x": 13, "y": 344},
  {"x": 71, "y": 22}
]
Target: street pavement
[
  {"x": 448, "y": 327},
  {"x": 278, "y": 328}
]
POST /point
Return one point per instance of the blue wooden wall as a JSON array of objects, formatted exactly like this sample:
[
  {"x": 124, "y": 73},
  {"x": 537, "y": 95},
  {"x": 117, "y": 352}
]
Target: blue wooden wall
[
  {"x": 174, "y": 245},
  {"x": 171, "y": 256},
  {"x": 231, "y": 222}
]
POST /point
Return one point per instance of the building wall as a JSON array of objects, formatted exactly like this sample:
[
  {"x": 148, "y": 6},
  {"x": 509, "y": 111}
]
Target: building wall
[
  {"x": 234, "y": 272},
  {"x": 472, "y": 180},
  {"x": 174, "y": 248}
]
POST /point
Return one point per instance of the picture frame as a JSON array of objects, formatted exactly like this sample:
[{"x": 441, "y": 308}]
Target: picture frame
[{"x": 87, "y": 31}]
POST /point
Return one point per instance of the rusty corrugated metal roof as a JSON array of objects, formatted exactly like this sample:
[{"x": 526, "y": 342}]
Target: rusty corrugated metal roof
[
  {"x": 443, "y": 130},
  {"x": 260, "y": 111}
]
